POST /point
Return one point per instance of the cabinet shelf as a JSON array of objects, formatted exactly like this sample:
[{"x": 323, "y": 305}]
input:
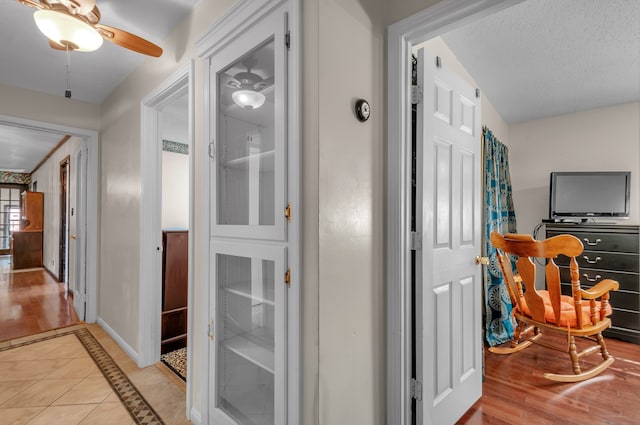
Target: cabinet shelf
[
  {"x": 244, "y": 159},
  {"x": 250, "y": 346},
  {"x": 243, "y": 290}
]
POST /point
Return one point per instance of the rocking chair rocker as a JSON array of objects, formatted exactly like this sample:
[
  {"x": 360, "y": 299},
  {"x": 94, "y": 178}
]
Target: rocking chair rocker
[{"x": 537, "y": 311}]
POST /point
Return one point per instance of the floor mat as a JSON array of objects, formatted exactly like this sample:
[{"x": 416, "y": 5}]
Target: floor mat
[{"x": 177, "y": 362}]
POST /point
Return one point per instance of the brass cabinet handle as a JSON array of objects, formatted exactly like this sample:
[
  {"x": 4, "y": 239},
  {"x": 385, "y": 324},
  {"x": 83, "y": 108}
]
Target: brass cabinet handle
[
  {"x": 591, "y": 261},
  {"x": 595, "y": 279},
  {"x": 597, "y": 241}
]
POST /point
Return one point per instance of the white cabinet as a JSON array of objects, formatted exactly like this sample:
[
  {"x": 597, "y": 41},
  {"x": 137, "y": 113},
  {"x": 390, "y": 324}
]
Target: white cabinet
[
  {"x": 253, "y": 297},
  {"x": 250, "y": 331}
]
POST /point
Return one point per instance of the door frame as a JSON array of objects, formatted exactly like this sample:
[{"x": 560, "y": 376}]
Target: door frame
[
  {"x": 402, "y": 36},
  {"x": 79, "y": 219},
  {"x": 63, "y": 241},
  {"x": 150, "y": 272},
  {"x": 93, "y": 195}
]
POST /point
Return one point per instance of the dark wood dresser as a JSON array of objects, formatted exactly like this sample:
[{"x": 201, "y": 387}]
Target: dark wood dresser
[
  {"x": 175, "y": 272},
  {"x": 610, "y": 252},
  {"x": 26, "y": 244}
]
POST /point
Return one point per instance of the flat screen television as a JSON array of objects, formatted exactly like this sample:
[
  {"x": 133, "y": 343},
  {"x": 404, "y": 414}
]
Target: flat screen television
[{"x": 580, "y": 194}]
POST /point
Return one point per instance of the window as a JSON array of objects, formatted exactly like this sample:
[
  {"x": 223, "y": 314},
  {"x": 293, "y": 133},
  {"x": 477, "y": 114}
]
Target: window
[{"x": 9, "y": 213}]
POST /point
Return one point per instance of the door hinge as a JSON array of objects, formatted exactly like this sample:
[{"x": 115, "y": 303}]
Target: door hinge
[
  {"x": 212, "y": 149},
  {"x": 416, "y": 94},
  {"x": 416, "y": 389},
  {"x": 416, "y": 241},
  {"x": 287, "y": 277},
  {"x": 287, "y": 211},
  {"x": 287, "y": 39},
  {"x": 210, "y": 330},
  {"x": 477, "y": 93}
]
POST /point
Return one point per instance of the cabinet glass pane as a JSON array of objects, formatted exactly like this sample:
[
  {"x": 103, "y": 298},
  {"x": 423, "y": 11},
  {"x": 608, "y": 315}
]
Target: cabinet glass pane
[
  {"x": 246, "y": 320},
  {"x": 246, "y": 133}
]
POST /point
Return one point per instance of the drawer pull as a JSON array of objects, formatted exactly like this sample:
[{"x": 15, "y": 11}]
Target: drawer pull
[
  {"x": 595, "y": 279},
  {"x": 592, "y": 243},
  {"x": 591, "y": 261}
]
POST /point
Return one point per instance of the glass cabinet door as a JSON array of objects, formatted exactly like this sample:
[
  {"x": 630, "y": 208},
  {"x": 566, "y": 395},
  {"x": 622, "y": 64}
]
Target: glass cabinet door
[
  {"x": 249, "y": 332},
  {"x": 246, "y": 99},
  {"x": 249, "y": 172}
]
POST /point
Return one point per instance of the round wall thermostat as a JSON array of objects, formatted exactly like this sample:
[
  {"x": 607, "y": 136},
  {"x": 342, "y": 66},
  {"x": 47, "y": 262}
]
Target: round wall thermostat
[{"x": 363, "y": 110}]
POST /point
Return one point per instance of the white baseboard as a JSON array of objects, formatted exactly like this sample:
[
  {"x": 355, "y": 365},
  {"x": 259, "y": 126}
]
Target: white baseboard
[
  {"x": 195, "y": 416},
  {"x": 113, "y": 334}
]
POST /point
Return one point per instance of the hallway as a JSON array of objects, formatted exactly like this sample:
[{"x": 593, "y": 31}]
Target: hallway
[{"x": 49, "y": 376}]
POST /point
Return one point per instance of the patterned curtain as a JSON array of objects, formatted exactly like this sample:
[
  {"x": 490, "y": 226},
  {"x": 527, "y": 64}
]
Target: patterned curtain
[{"x": 499, "y": 216}]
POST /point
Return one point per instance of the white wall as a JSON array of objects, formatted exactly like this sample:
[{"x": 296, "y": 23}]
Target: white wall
[
  {"x": 605, "y": 139},
  {"x": 351, "y": 207},
  {"x": 120, "y": 186},
  {"x": 48, "y": 179},
  {"x": 42, "y": 107},
  {"x": 175, "y": 190}
]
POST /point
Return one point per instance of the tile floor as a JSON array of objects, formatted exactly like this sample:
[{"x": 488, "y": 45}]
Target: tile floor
[{"x": 56, "y": 382}]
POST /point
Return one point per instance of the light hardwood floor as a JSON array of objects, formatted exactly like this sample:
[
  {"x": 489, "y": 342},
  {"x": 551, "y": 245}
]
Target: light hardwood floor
[{"x": 32, "y": 301}]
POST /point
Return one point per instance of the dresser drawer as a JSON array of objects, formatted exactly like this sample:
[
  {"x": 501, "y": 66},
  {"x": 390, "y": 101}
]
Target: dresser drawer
[
  {"x": 603, "y": 261},
  {"x": 589, "y": 277},
  {"x": 596, "y": 241},
  {"x": 625, "y": 319}
]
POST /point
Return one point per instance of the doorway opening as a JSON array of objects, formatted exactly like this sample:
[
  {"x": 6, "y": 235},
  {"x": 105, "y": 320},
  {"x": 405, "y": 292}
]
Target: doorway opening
[
  {"x": 167, "y": 130},
  {"x": 88, "y": 253},
  {"x": 174, "y": 205},
  {"x": 403, "y": 390}
]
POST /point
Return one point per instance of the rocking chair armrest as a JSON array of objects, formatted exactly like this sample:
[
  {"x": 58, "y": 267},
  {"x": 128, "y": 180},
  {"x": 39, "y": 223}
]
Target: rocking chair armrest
[{"x": 601, "y": 288}]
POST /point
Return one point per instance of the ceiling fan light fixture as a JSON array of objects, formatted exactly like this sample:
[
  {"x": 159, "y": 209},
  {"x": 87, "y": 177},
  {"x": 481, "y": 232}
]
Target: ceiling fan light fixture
[
  {"x": 249, "y": 99},
  {"x": 67, "y": 30}
]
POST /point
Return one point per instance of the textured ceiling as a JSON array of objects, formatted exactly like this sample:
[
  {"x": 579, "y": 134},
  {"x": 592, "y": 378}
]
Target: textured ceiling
[{"x": 548, "y": 57}]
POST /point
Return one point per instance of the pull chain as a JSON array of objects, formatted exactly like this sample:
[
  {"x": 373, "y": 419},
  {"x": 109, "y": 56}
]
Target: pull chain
[{"x": 67, "y": 92}]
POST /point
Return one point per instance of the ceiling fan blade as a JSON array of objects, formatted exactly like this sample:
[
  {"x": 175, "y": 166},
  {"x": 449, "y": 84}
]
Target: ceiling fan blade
[
  {"x": 32, "y": 3},
  {"x": 228, "y": 80},
  {"x": 128, "y": 40}
]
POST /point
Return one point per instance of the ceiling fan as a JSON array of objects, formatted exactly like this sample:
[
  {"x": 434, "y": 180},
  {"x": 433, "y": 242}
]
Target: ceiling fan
[
  {"x": 75, "y": 25},
  {"x": 248, "y": 86}
]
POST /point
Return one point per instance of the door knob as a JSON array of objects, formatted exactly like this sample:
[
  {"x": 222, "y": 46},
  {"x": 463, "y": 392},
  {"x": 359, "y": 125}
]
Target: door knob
[
  {"x": 74, "y": 237},
  {"x": 482, "y": 260}
]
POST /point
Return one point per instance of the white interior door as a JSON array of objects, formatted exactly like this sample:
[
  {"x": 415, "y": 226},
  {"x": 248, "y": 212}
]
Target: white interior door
[
  {"x": 448, "y": 282},
  {"x": 77, "y": 242}
]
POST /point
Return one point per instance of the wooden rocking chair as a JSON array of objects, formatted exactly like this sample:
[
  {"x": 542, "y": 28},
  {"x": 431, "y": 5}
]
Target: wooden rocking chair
[{"x": 584, "y": 314}]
